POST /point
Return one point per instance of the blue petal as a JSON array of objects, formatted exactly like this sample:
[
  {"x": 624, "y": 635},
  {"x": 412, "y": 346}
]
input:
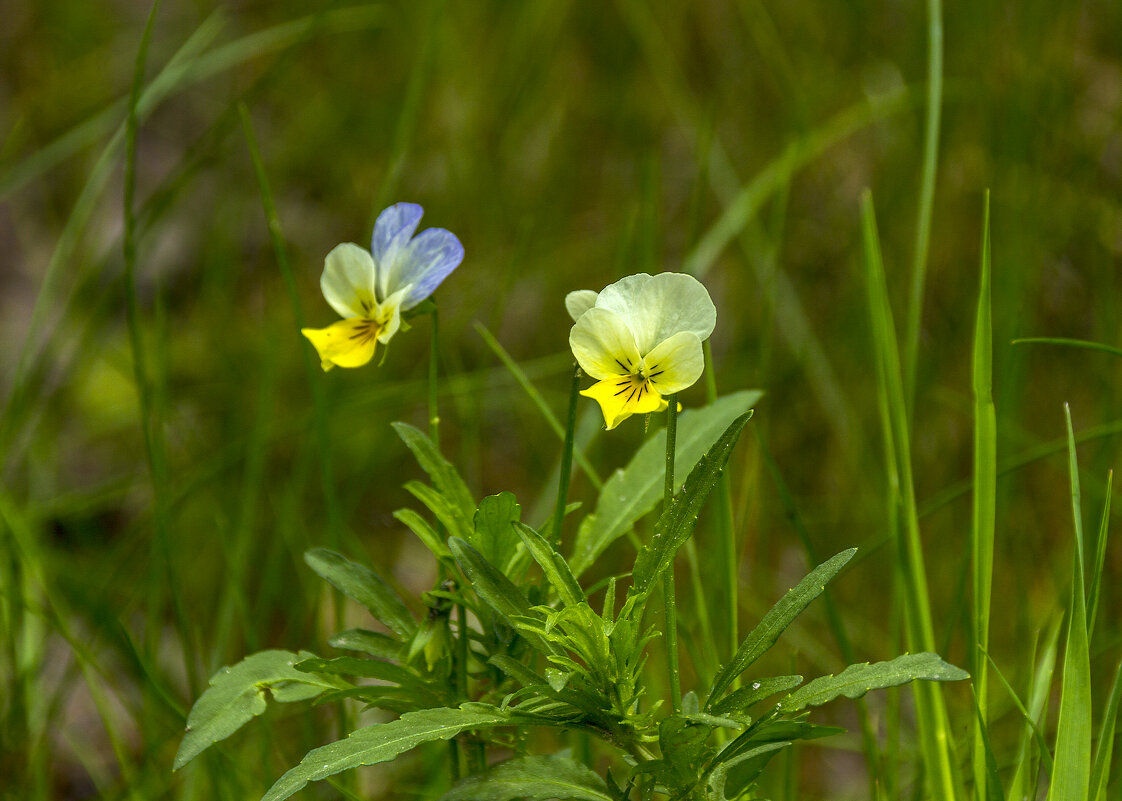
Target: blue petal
[
  {"x": 392, "y": 230},
  {"x": 427, "y": 261}
]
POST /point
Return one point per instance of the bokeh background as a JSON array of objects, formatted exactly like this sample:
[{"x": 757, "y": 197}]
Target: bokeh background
[{"x": 567, "y": 144}]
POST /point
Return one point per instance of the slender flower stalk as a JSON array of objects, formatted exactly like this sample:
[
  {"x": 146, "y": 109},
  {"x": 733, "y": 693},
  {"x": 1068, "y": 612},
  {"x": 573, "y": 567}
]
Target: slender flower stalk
[
  {"x": 669, "y": 591},
  {"x": 566, "y": 459}
]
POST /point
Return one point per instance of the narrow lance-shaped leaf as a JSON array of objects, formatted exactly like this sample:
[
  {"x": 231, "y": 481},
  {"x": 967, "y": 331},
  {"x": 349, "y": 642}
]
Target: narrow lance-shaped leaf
[
  {"x": 635, "y": 490},
  {"x": 237, "y": 694},
  {"x": 383, "y": 742},
  {"x": 440, "y": 470},
  {"x": 365, "y": 586},
  {"x": 553, "y": 565},
  {"x": 533, "y": 778},
  {"x": 777, "y": 619},
  {"x": 856, "y": 680},
  {"x": 448, "y": 513},
  {"x": 425, "y": 533},
  {"x": 676, "y": 523}
]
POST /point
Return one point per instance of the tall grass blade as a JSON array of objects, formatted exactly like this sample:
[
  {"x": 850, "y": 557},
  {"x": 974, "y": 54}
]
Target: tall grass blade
[
  {"x": 1072, "y": 775},
  {"x": 934, "y": 729},
  {"x": 932, "y": 113},
  {"x": 1100, "y": 771},
  {"x": 984, "y": 510}
]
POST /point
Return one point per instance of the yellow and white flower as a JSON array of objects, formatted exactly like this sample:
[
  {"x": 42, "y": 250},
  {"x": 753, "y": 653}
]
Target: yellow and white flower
[
  {"x": 371, "y": 289},
  {"x": 641, "y": 339}
]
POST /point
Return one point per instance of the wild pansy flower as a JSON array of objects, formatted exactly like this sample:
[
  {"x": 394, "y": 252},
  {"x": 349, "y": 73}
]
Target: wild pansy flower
[
  {"x": 641, "y": 339},
  {"x": 371, "y": 289}
]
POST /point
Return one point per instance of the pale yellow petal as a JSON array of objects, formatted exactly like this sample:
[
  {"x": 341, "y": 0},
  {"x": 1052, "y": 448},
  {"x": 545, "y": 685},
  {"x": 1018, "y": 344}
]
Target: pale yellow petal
[
  {"x": 348, "y": 281},
  {"x": 347, "y": 343},
  {"x": 619, "y": 398},
  {"x": 658, "y": 306},
  {"x": 603, "y": 345},
  {"x": 675, "y": 363},
  {"x": 577, "y": 303}
]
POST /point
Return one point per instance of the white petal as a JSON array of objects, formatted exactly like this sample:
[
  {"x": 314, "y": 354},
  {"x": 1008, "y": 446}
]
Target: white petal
[
  {"x": 675, "y": 363},
  {"x": 659, "y": 306},
  {"x": 577, "y": 303},
  {"x": 348, "y": 281},
  {"x": 603, "y": 345}
]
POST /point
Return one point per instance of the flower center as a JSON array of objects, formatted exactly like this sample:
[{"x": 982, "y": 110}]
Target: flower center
[
  {"x": 365, "y": 330},
  {"x": 637, "y": 380}
]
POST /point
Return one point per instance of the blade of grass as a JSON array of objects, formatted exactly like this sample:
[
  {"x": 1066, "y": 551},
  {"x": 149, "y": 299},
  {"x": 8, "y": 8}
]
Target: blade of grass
[
  {"x": 984, "y": 509},
  {"x": 934, "y": 729},
  {"x": 319, "y": 395},
  {"x": 923, "y": 213},
  {"x": 1071, "y": 343},
  {"x": 536, "y": 398},
  {"x": 1100, "y": 560},
  {"x": 1025, "y": 779},
  {"x": 1072, "y": 775},
  {"x": 1100, "y": 771}
]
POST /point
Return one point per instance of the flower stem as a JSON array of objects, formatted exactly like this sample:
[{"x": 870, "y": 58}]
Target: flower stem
[
  {"x": 727, "y": 539},
  {"x": 566, "y": 460},
  {"x": 668, "y": 590},
  {"x": 434, "y": 358}
]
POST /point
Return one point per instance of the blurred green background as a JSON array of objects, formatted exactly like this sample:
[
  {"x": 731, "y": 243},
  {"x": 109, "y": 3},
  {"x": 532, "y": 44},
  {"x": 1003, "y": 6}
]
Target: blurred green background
[{"x": 567, "y": 144}]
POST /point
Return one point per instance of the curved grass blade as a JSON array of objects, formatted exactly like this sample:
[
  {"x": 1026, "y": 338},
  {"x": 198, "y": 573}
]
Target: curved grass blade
[{"x": 1071, "y": 343}]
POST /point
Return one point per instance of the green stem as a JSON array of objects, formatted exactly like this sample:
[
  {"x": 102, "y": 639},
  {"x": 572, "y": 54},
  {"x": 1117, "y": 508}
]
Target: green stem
[
  {"x": 668, "y": 590},
  {"x": 566, "y": 460},
  {"x": 726, "y": 537},
  {"x": 434, "y": 359}
]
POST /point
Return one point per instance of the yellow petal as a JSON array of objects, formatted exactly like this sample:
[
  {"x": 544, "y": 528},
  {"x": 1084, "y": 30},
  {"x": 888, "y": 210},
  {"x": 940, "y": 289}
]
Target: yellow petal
[
  {"x": 603, "y": 345},
  {"x": 619, "y": 398},
  {"x": 675, "y": 363},
  {"x": 347, "y": 343}
]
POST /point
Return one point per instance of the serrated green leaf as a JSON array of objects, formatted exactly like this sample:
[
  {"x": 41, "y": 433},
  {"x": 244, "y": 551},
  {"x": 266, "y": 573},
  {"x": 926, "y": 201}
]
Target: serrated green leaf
[
  {"x": 365, "y": 586},
  {"x": 755, "y": 692},
  {"x": 635, "y": 490},
  {"x": 676, "y": 524},
  {"x": 856, "y": 680},
  {"x": 369, "y": 642},
  {"x": 425, "y": 533},
  {"x": 777, "y": 619},
  {"x": 553, "y": 565},
  {"x": 443, "y": 475},
  {"x": 533, "y": 778},
  {"x": 383, "y": 742},
  {"x": 488, "y": 582},
  {"x": 494, "y": 532},
  {"x": 237, "y": 694}
]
